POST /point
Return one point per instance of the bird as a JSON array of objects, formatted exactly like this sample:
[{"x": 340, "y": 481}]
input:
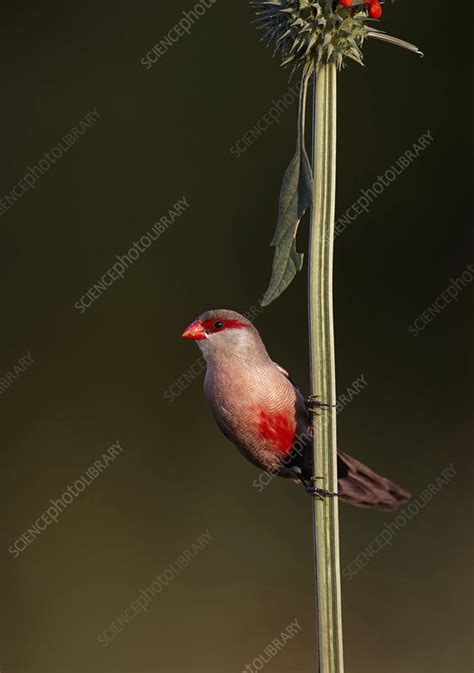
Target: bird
[{"x": 260, "y": 410}]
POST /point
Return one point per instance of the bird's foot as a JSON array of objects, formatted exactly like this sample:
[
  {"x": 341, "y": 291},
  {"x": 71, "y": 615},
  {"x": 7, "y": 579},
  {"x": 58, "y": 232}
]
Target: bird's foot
[
  {"x": 313, "y": 402},
  {"x": 320, "y": 493}
]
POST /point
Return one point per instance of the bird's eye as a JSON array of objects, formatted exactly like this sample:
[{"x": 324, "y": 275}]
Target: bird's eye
[{"x": 218, "y": 324}]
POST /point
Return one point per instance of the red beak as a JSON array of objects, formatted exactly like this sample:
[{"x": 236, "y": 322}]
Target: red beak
[{"x": 194, "y": 331}]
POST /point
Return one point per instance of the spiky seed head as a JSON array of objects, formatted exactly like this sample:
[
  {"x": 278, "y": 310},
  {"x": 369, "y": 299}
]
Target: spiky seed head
[{"x": 309, "y": 32}]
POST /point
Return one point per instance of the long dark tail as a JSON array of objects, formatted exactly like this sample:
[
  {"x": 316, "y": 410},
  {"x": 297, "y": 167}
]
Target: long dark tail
[{"x": 362, "y": 487}]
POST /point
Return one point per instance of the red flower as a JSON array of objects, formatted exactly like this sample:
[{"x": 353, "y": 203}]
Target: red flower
[{"x": 375, "y": 10}]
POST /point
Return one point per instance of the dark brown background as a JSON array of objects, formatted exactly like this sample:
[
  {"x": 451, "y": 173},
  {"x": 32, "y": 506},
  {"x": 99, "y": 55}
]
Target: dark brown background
[{"x": 102, "y": 376}]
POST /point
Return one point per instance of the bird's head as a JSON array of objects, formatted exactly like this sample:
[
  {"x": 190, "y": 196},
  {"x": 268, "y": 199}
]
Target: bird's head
[{"x": 221, "y": 333}]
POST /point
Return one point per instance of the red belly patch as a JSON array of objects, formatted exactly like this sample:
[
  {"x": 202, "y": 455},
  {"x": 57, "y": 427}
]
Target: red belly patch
[{"x": 278, "y": 430}]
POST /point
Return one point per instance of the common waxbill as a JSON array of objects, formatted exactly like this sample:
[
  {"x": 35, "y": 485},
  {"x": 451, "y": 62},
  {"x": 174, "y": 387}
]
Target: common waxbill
[{"x": 260, "y": 410}]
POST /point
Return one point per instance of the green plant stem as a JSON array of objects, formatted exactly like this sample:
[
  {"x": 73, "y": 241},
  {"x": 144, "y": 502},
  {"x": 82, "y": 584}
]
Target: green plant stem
[{"x": 323, "y": 376}]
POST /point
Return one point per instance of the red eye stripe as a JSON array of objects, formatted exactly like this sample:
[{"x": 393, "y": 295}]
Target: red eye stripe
[{"x": 210, "y": 325}]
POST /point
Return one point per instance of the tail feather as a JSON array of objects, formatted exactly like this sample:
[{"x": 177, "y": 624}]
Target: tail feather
[{"x": 362, "y": 487}]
